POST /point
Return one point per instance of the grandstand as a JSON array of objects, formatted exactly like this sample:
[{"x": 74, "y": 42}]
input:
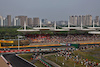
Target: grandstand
[
  {"x": 64, "y": 37},
  {"x": 36, "y": 38},
  {"x": 44, "y": 40}
]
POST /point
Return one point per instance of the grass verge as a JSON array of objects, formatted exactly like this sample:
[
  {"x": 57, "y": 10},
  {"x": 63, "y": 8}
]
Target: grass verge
[{"x": 28, "y": 57}]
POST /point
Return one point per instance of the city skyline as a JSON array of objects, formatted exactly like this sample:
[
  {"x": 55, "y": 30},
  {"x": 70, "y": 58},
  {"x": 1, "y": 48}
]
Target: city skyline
[
  {"x": 35, "y": 21},
  {"x": 53, "y": 10}
]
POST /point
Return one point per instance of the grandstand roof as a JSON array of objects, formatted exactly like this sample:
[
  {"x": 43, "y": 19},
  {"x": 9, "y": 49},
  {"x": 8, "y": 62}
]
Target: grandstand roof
[
  {"x": 26, "y": 31},
  {"x": 43, "y": 28},
  {"x": 94, "y": 32},
  {"x": 59, "y": 30}
]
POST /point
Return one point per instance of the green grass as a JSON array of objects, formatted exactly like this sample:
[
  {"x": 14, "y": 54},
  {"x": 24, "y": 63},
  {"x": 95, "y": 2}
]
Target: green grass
[
  {"x": 70, "y": 63},
  {"x": 28, "y": 57},
  {"x": 39, "y": 64},
  {"x": 89, "y": 55},
  {"x": 98, "y": 49},
  {"x": 60, "y": 60}
]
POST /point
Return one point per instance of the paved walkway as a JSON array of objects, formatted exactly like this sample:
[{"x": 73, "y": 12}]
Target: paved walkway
[{"x": 2, "y": 63}]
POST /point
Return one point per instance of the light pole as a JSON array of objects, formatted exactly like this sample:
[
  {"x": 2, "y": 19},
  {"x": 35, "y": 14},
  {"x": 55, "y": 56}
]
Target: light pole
[
  {"x": 74, "y": 64},
  {"x": 18, "y": 40},
  {"x": 56, "y": 57}
]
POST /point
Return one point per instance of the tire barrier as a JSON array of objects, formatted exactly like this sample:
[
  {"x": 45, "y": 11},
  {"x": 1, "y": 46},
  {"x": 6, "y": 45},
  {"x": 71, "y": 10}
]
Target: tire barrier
[
  {"x": 43, "y": 62},
  {"x": 36, "y": 50},
  {"x": 14, "y": 51}
]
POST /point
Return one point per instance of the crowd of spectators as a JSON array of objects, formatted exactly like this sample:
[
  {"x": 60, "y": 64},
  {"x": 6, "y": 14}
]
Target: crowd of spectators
[
  {"x": 61, "y": 38},
  {"x": 77, "y": 59}
]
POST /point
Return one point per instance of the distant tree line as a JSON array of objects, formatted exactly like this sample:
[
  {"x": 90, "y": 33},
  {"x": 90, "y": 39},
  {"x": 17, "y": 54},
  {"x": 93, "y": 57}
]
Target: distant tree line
[
  {"x": 11, "y": 32},
  {"x": 7, "y": 32}
]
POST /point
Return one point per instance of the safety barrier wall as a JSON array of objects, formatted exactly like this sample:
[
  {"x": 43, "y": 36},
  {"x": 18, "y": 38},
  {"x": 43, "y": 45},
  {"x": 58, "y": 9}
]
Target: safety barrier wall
[
  {"x": 29, "y": 46},
  {"x": 90, "y": 43},
  {"x": 36, "y": 50}
]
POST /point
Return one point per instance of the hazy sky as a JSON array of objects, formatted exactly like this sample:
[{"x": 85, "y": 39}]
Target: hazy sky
[{"x": 49, "y": 9}]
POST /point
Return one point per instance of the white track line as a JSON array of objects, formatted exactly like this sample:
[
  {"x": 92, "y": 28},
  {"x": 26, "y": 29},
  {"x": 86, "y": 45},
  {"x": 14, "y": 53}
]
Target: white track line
[{"x": 6, "y": 61}]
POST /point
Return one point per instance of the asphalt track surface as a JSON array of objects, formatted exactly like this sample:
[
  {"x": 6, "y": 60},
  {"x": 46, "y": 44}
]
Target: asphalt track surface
[{"x": 16, "y": 61}]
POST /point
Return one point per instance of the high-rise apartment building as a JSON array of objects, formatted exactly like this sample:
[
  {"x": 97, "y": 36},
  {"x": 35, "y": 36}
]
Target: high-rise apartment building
[
  {"x": 36, "y": 21},
  {"x": 75, "y": 20},
  {"x": 29, "y": 20},
  {"x": 22, "y": 20},
  {"x": 79, "y": 20},
  {"x": 44, "y": 21},
  {"x": 16, "y": 22},
  {"x": 9, "y": 20},
  {"x": 5, "y": 22},
  {"x": 71, "y": 20},
  {"x": 1, "y": 21},
  {"x": 88, "y": 20},
  {"x": 97, "y": 20},
  {"x": 85, "y": 20}
]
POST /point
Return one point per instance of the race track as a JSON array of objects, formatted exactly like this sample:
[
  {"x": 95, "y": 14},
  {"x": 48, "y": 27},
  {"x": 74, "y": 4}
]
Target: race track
[{"x": 16, "y": 61}]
